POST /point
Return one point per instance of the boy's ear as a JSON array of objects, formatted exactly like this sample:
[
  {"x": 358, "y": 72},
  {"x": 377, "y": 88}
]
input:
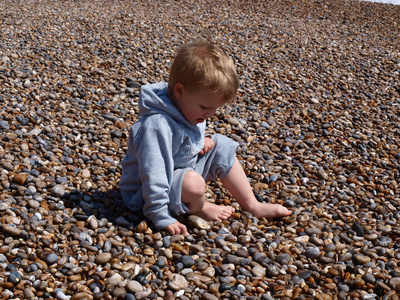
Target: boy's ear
[{"x": 178, "y": 90}]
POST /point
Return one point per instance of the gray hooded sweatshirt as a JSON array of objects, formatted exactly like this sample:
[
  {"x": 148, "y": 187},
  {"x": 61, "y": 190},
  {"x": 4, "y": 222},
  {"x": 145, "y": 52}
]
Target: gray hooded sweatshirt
[{"x": 160, "y": 142}]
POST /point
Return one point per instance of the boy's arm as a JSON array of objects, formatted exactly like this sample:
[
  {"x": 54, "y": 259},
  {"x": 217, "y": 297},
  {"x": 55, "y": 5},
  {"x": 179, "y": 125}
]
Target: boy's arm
[{"x": 154, "y": 145}]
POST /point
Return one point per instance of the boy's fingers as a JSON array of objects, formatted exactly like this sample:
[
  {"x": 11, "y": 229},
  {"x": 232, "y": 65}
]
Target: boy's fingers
[
  {"x": 184, "y": 230},
  {"x": 178, "y": 228}
]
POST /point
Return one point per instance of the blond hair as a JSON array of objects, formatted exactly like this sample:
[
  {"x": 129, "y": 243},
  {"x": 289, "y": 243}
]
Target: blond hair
[{"x": 204, "y": 66}]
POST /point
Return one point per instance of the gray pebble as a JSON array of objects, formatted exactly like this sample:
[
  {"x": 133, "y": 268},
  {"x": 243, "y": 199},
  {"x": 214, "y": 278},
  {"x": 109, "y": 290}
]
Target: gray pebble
[
  {"x": 58, "y": 191},
  {"x": 15, "y": 277},
  {"x": 313, "y": 252},
  {"x": 51, "y": 258}
]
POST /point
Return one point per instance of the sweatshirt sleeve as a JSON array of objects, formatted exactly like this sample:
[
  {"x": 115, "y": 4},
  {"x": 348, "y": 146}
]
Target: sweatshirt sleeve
[{"x": 154, "y": 145}]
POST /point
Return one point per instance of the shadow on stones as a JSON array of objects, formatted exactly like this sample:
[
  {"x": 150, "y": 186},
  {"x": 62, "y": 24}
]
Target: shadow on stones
[{"x": 103, "y": 205}]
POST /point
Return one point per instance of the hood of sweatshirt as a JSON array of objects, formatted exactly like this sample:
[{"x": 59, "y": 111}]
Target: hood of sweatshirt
[{"x": 153, "y": 99}]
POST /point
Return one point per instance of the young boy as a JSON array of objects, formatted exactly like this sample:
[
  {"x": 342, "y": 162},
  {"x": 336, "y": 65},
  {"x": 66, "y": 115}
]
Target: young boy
[{"x": 170, "y": 160}]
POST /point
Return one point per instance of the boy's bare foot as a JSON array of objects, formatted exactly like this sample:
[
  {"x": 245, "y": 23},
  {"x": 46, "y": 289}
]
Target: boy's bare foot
[
  {"x": 213, "y": 212},
  {"x": 269, "y": 210}
]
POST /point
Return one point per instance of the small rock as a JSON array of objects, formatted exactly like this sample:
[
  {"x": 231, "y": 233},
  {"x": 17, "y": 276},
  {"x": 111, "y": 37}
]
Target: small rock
[
  {"x": 283, "y": 258},
  {"x": 103, "y": 258},
  {"x": 60, "y": 295},
  {"x": 361, "y": 259},
  {"x": 258, "y": 271},
  {"x": 115, "y": 279},
  {"x": 395, "y": 283},
  {"x": 199, "y": 223},
  {"x": 51, "y": 258},
  {"x": 15, "y": 277},
  {"x": 58, "y": 191},
  {"x": 85, "y": 173},
  {"x": 11, "y": 230},
  {"x": 20, "y": 178},
  {"x": 178, "y": 282},
  {"x": 209, "y": 272},
  {"x": 119, "y": 292},
  {"x": 208, "y": 296},
  {"x": 134, "y": 287},
  {"x": 143, "y": 294},
  {"x": 313, "y": 252},
  {"x": 82, "y": 296},
  {"x": 233, "y": 121},
  {"x": 4, "y": 125},
  {"x": 187, "y": 261},
  {"x": 322, "y": 174},
  {"x": 359, "y": 230}
]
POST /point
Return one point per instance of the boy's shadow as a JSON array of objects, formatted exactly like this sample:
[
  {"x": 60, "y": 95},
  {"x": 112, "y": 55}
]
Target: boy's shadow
[{"x": 103, "y": 205}]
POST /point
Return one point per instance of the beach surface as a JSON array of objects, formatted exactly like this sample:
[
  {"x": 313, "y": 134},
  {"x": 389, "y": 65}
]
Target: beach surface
[{"x": 317, "y": 120}]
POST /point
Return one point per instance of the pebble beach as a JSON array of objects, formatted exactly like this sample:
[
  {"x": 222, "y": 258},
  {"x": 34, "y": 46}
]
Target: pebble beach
[{"x": 317, "y": 117}]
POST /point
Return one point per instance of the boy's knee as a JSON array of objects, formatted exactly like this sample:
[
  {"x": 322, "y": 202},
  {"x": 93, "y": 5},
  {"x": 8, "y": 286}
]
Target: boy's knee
[{"x": 194, "y": 183}]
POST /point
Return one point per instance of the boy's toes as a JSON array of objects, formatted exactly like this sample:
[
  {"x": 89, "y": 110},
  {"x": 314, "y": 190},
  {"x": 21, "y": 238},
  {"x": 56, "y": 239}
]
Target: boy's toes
[{"x": 283, "y": 211}]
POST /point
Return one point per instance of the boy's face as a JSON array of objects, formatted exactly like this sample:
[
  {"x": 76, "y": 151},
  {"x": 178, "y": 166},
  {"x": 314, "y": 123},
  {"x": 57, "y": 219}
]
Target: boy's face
[{"x": 196, "y": 106}]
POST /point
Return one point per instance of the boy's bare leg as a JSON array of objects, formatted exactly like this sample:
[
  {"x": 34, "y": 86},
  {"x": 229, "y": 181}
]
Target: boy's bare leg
[
  {"x": 237, "y": 184},
  {"x": 193, "y": 195}
]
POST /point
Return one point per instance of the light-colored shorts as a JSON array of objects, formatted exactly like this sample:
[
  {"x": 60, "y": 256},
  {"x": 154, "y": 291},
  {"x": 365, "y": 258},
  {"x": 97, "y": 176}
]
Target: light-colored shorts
[{"x": 214, "y": 164}]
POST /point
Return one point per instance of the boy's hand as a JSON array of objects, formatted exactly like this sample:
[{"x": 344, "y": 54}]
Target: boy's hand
[
  {"x": 208, "y": 145},
  {"x": 177, "y": 228}
]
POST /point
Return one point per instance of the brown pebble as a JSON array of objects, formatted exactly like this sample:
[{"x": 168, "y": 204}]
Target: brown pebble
[
  {"x": 82, "y": 296},
  {"x": 11, "y": 230},
  {"x": 20, "y": 178}
]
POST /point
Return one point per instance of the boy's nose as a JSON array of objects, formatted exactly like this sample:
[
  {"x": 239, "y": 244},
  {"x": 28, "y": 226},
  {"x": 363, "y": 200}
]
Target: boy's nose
[{"x": 209, "y": 113}]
